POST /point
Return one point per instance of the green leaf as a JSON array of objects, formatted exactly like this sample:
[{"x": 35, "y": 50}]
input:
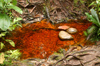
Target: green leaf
[
  {"x": 2, "y": 34},
  {"x": 99, "y": 9},
  {"x": 92, "y": 4},
  {"x": 85, "y": 33},
  {"x": 98, "y": 32},
  {"x": 14, "y": 2},
  {"x": 15, "y": 23},
  {"x": 19, "y": 25},
  {"x": 11, "y": 42},
  {"x": 7, "y": 1},
  {"x": 92, "y": 19},
  {"x": 82, "y": 1},
  {"x": 4, "y": 22},
  {"x": 1, "y": 5},
  {"x": 92, "y": 29},
  {"x": 1, "y": 45},
  {"x": 11, "y": 6},
  {"x": 17, "y": 19},
  {"x": 14, "y": 54},
  {"x": 99, "y": 3},
  {"x": 75, "y": 1},
  {"x": 94, "y": 14},
  {"x": 2, "y": 1}
]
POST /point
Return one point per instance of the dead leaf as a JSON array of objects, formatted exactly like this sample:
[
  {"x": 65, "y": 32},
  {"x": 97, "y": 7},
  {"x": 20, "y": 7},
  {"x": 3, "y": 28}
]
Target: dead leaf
[{"x": 2, "y": 58}]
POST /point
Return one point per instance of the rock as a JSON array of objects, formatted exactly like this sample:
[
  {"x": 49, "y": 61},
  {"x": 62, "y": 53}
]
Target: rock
[
  {"x": 65, "y": 35},
  {"x": 64, "y": 27},
  {"x": 72, "y": 30}
]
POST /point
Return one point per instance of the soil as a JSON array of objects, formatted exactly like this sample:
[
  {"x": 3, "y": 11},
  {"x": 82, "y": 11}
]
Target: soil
[
  {"x": 40, "y": 45},
  {"x": 87, "y": 56},
  {"x": 38, "y": 39},
  {"x": 55, "y": 11}
]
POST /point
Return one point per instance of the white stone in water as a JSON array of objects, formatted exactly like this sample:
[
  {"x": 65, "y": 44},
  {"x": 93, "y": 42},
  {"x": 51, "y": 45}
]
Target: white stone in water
[
  {"x": 64, "y": 35},
  {"x": 72, "y": 30}
]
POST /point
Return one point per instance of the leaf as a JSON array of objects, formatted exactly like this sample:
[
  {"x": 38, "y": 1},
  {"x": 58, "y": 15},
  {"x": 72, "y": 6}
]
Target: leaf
[
  {"x": 2, "y": 58},
  {"x": 82, "y": 1},
  {"x": 14, "y": 2},
  {"x": 91, "y": 29},
  {"x": 11, "y": 42},
  {"x": 4, "y": 21},
  {"x": 92, "y": 4},
  {"x": 2, "y": 34},
  {"x": 94, "y": 14},
  {"x": 11, "y": 6},
  {"x": 19, "y": 25},
  {"x": 15, "y": 23},
  {"x": 85, "y": 33},
  {"x": 98, "y": 32},
  {"x": 7, "y": 1},
  {"x": 1, "y": 5},
  {"x": 75, "y": 1},
  {"x": 17, "y": 19},
  {"x": 2, "y": 1},
  {"x": 99, "y": 3},
  {"x": 92, "y": 19},
  {"x": 2, "y": 45},
  {"x": 14, "y": 54}
]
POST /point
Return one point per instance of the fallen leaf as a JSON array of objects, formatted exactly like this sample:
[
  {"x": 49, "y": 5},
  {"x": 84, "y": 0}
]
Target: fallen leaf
[{"x": 2, "y": 58}]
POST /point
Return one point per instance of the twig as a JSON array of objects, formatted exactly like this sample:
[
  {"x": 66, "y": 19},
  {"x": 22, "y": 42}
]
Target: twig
[
  {"x": 63, "y": 8},
  {"x": 72, "y": 55}
]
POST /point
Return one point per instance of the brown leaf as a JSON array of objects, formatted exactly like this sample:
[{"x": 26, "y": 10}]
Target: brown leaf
[{"x": 2, "y": 58}]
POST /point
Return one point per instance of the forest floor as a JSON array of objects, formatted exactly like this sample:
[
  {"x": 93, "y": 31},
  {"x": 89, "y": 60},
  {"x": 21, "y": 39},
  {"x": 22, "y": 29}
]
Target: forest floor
[
  {"x": 78, "y": 55},
  {"x": 87, "y": 56}
]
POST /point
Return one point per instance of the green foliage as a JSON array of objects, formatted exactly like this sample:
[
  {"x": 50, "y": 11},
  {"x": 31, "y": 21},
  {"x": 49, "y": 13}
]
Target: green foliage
[
  {"x": 11, "y": 42},
  {"x": 93, "y": 32},
  {"x": 81, "y": 1},
  {"x": 11, "y": 6},
  {"x": 7, "y": 5},
  {"x": 13, "y": 54},
  {"x": 5, "y": 13},
  {"x": 61, "y": 50},
  {"x": 8, "y": 23},
  {"x": 93, "y": 17},
  {"x": 9, "y": 56},
  {"x": 15, "y": 23},
  {"x": 96, "y": 5},
  {"x": 85, "y": 2},
  {"x": 12, "y": 26},
  {"x": 2, "y": 45},
  {"x": 4, "y": 22}
]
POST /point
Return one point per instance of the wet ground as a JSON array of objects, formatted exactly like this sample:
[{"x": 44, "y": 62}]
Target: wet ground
[{"x": 40, "y": 40}]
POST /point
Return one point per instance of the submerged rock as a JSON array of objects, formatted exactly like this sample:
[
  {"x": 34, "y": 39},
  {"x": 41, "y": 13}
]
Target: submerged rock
[
  {"x": 65, "y": 35},
  {"x": 72, "y": 30}
]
